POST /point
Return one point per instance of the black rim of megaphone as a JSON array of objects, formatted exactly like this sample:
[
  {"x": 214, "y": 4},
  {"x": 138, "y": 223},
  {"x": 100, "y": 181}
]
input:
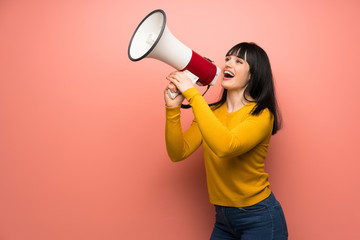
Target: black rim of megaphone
[{"x": 157, "y": 40}]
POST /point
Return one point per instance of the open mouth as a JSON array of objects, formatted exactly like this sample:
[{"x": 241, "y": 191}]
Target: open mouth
[{"x": 228, "y": 74}]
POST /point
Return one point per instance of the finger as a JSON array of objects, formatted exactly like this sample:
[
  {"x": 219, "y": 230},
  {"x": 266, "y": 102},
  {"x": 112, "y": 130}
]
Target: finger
[
  {"x": 171, "y": 85},
  {"x": 176, "y": 75},
  {"x": 172, "y": 88},
  {"x": 171, "y": 78},
  {"x": 173, "y": 81},
  {"x": 172, "y": 74}
]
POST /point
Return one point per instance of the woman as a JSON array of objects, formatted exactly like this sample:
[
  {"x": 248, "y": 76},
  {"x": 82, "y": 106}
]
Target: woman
[{"x": 235, "y": 134}]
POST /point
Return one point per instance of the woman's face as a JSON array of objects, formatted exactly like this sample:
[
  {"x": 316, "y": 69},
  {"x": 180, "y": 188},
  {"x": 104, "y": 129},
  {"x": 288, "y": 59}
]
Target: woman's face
[{"x": 236, "y": 73}]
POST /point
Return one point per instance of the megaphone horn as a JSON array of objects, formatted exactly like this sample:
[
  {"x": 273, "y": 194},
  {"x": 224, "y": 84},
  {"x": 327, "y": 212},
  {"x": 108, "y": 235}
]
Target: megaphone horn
[{"x": 152, "y": 39}]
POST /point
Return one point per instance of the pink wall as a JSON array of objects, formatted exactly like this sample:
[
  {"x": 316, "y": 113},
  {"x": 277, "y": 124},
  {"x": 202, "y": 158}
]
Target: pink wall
[{"x": 82, "y": 153}]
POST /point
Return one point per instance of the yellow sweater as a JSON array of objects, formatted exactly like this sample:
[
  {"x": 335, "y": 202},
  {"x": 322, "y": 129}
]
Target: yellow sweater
[{"x": 234, "y": 146}]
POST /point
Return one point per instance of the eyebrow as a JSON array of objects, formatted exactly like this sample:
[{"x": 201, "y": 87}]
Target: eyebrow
[{"x": 236, "y": 57}]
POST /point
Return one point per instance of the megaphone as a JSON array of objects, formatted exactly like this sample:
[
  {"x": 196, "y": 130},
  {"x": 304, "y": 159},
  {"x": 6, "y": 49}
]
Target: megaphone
[{"x": 152, "y": 39}]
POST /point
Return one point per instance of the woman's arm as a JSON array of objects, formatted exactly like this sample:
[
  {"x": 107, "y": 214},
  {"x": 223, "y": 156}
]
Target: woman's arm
[
  {"x": 222, "y": 141},
  {"x": 180, "y": 145}
]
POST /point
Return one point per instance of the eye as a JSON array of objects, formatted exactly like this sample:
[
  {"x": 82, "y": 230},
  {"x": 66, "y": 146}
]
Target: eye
[{"x": 239, "y": 60}]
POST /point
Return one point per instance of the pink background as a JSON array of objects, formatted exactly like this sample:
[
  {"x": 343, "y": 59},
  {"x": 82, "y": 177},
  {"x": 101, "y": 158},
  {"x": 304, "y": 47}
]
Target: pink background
[{"x": 82, "y": 152}]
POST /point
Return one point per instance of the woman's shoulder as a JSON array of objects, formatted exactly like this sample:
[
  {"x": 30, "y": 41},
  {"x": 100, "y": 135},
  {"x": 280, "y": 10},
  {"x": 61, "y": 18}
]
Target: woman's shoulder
[{"x": 264, "y": 114}]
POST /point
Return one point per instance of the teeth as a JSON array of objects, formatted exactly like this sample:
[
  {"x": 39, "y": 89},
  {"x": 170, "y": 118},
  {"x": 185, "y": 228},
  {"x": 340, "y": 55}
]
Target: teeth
[{"x": 228, "y": 73}]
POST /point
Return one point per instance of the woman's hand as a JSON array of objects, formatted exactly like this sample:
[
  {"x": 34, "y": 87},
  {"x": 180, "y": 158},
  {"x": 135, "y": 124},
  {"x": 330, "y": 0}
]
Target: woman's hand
[
  {"x": 181, "y": 81},
  {"x": 177, "y": 100}
]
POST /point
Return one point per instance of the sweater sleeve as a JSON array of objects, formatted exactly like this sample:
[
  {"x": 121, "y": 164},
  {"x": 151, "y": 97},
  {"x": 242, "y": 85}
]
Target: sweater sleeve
[
  {"x": 180, "y": 144},
  {"x": 221, "y": 140}
]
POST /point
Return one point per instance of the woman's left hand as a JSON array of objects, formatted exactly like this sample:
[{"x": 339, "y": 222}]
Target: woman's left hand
[{"x": 180, "y": 80}]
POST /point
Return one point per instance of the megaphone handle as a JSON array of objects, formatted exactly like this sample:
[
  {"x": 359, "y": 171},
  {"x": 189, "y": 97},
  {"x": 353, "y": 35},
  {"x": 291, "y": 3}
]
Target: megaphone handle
[
  {"x": 171, "y": 94},
  {"x": 193, "y": 78}
]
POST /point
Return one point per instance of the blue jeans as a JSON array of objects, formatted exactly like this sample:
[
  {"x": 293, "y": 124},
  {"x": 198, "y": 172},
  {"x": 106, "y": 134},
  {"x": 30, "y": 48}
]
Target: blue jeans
[{"x": 262, "y": 221}]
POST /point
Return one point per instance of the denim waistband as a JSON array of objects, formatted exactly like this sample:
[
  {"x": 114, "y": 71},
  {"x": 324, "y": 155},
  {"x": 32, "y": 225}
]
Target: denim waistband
[{"x": 270, "y": 200}]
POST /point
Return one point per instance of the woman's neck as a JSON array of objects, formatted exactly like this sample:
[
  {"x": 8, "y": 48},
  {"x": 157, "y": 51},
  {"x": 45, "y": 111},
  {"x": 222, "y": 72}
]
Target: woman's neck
[{"x": 235, "y": 100}]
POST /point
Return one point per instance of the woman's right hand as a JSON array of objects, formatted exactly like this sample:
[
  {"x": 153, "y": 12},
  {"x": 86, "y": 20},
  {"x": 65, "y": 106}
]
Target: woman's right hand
[{"x": 177, "y": 101}]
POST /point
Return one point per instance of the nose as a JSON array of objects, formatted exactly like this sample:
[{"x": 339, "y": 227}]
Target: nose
[{"x": 228, "y": 63}]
